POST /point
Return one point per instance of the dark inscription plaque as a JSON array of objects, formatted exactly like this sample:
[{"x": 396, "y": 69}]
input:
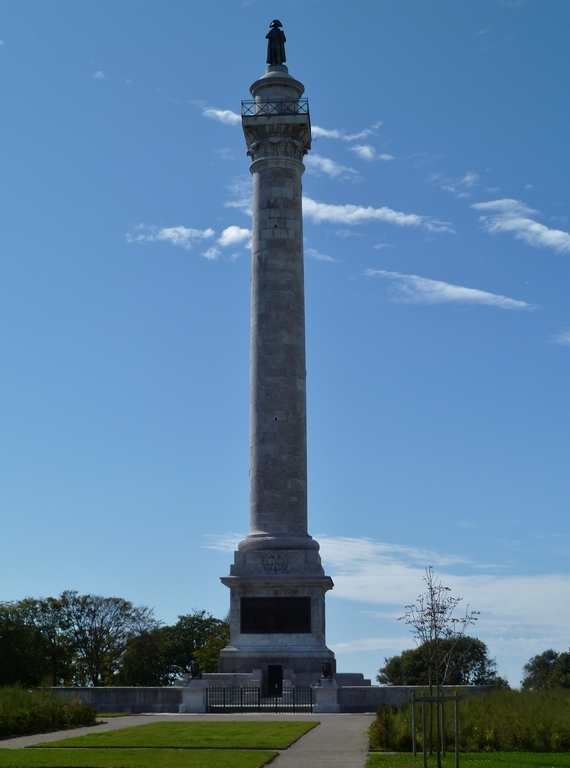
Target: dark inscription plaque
[{"x": 273, "y": 615}]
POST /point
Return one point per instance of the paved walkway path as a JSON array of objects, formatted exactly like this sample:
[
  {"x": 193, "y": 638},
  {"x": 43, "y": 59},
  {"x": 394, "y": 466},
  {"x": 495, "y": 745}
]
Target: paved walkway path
[{"x": 339, "y": 741}]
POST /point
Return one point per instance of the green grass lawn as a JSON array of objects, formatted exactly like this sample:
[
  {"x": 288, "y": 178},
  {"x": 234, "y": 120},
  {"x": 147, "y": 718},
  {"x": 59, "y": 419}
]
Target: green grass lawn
[
  {"x": 202, "y": 735},
  {"x": 133, "y": 758},
  {"x": 478, "y": 760}
]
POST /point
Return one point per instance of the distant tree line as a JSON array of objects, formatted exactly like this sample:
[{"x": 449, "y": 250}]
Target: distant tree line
[
  {"x": 467, "y": 662},
  {"x": 92, "y": 640},
  {"x": 464, "y": 661},
  {"x": 547, "y": 670}
]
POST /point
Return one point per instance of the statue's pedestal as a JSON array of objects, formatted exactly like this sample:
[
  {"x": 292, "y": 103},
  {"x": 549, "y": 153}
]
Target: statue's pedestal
[
  {"x": 325, "y": 697},
  {"x": 278, "y": 621},
  {"x": 194, "y": 698}
]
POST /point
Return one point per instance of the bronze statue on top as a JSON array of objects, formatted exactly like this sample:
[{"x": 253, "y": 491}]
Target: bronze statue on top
[{"x": 276, "y": 44}]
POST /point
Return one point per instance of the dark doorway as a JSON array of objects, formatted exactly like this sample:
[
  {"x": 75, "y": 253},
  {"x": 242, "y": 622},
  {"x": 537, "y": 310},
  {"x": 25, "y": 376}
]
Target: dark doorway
[{"x": 274, "y": 680}]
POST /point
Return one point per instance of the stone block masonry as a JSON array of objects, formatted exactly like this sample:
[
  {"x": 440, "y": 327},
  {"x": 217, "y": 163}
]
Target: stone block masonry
[{"x": 277, "y": 583}]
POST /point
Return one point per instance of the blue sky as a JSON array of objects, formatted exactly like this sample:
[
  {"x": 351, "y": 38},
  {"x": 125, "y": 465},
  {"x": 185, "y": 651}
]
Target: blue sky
[{"x": 438, "y": 320}]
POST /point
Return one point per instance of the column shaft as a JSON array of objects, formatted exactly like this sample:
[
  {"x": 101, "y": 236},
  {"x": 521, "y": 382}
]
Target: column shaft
[{"x": 278, "y": 463}]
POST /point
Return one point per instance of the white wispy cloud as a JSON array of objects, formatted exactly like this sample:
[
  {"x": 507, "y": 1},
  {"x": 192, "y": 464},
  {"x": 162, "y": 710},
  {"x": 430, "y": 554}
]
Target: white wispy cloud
[
  {"x": 319, "y": 164},
  {"x": 458, "y": 187},
  {"x": 187, "y": 238},
  {"x": 184, "y": 237},
  {"x": 379, "y": 246},
  {"x": 510, "y": 602},
  {"x": 224, "y": 153},
  {"x": 126, "y": 81},
  {"x": 225, "y": 542},
  {"x": 516, "y": 609},
  {"x": 212, "y": 253},
  {"x": 514, "y": 217},
  {"x": 520, "y": 615},
  {"x": 313, "y": 254},
  {"x": 240, "y": 195},
  {"x": 225, "y": 116},
  {"x": 413, "y": 289},
  {"x": 470, "y": 180},
  {"x": 354, "y": 215},
  {"x": 438, "y": 226},
  {"x": 98, "y": 75},
  {"x": 340, "y": 133},
  {"x": 368, "y": 153},
  {"x": 233, "y": 235},
  {"x": 392, "y": 644},
  {"x": 562, "y": 338},
  {"x": 357, "y": 214},
  {"x": 347, "y": 233}
]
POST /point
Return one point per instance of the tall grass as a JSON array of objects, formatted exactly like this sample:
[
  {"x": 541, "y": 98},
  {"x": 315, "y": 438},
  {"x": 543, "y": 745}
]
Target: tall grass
[
  {"x": 25, "y": 712},
  {"x": 501, "y": 721}
]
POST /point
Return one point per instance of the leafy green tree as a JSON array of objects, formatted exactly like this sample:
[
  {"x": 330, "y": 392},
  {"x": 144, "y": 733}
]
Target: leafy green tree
[
  {"x": 148, "y": 659},
  {"x": 95, "y": 640},
  {"x": 197, "y": 636},
  {"x": 23, "y": 651},
  {"x": 165, "y": 654},
  {"x": 99, "y": 629},
  {"x": 549, "y": 669},
  {"x": 465, "y": 662},
  {"x": 33, "y": 643},
  {"x": 409, "y": 668},
  {"x": 47, "y": 615}
]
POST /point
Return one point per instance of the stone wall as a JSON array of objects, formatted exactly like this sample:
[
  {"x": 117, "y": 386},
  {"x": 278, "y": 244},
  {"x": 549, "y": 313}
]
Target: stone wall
[
  {"x": 353, "y": 699},
  {"x": 133, "y": 700},
  {"x": 367, "y": 698}
]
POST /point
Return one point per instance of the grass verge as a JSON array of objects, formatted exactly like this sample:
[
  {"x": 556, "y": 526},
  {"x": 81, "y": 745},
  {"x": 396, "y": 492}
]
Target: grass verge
[
  {"x": 478, "y": 760},
  {"x": 201, "y": 735},
  {"x": 132, "y": 758}
]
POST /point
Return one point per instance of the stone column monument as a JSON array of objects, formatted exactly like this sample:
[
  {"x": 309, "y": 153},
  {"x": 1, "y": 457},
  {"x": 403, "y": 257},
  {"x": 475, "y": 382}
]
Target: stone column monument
[{"x": 277, "y": 583}]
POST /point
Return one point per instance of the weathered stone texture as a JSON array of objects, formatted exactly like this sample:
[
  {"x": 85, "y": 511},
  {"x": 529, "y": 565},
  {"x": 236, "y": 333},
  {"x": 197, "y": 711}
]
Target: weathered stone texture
[{"x": 278, "y": 558}]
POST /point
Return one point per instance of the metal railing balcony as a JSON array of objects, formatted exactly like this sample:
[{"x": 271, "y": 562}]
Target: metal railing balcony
[{"x": 272, "y": 107}]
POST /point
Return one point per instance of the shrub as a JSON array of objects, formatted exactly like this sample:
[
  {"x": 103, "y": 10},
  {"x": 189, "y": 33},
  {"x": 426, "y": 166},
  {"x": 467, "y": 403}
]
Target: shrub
[
  {"x": 26, "y": 712},
  {"x": 501, "y": 721},
  {"x": 392, "y": 729}
]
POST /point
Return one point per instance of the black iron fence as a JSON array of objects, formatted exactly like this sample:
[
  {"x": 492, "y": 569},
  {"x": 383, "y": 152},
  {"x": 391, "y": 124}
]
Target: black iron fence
[
  {"x": 252, "y": 698},
  {"x": 275, "y": 107}
]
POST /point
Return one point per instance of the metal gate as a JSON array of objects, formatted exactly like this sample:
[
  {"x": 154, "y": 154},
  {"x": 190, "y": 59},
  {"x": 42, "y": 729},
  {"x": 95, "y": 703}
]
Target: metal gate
[{"x": 251, "y": 698}]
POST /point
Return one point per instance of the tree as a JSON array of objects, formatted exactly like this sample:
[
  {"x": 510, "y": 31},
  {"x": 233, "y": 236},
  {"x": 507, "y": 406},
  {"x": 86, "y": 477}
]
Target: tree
[
  {"x": 549, "y": 669},
  {"x": 99, "y": 629},
  {"x": 95, "y": 640},
  {"x": 47, "y": 615},
  {"x": 165, "y": 654},
  {"x": 33, "y": 643},
  {"x": 433, "y": 621},
  {"x": 148, "y": 659},
  {"x": 468, "y": 663},
  {"x": 23, "y": 653},
  {"x": 197, "y": 636}
]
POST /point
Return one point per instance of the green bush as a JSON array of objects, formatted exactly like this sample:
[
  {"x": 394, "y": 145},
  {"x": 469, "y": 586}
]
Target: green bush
[
  {"x": 25, "y": 712},
  {"x": 392, "y": 729},
  {"x": 501, "y": 721}
]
